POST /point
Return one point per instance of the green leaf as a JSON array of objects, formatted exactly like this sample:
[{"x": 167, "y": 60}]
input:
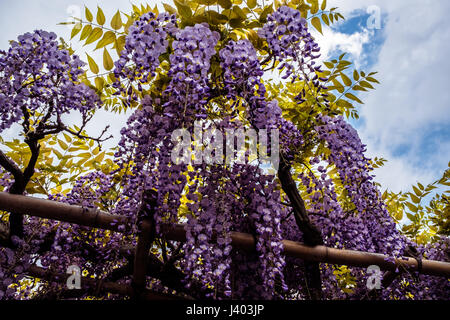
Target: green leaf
[
  {"x": 116, "y": 22},
  {"x": 206, "y": 2},
  {"x": 366, "y": 84},
  {"x": 84, "y": 155},
  {"x": 317, "y": 24},
  {"x": 329, "y": 65},
  {"x": 100, "y": 157},
  {"x": 372, "y": 79},
  {"x": 314, "y": 6},
  {"x": 267, "y": 10},
  {"x": 86, "y": 31},
  {"x": 57, "y": 153},
  {"x": 344, "y": 104},
  {"x": 236, "y": 23},
  {"x": 76, "y": 29},
  {"x": 411, "y": 207},
  {"x": 359, "y": 88},
  {"x": 226, "y": 4},
  {"x": 100, "y": 16},
  {"x": 96, "y": 151},
  {"x": 99, "y": 83},
  {"x": 410, "y": 217},
  {"x": 325, "y": 19},
  {"x": 169, "y": 8},
  {"x": 239, "y": 12},
  {"x": 338, "y": 85},
  {"x": 346, "y": 80},
  {"x": 119, "y": 44},
  {"x": 107, "y": 39},
  {"x": 414, "y": 198},
  {"x": 251, "y": 3},
  {"x": 92, "y": 64},
  {"x": 94, "y": 36},
  {"x": 356, "y": 75},
  {"x": 108, "y": 62},
  {"x": 183, "y": 9},
  {"x": 331, "y": 17},
  {"x": 353, "y": 97},
  {"x": 417, "y": 191},
  {"x": 324, "y": 5},
  {"x": 88, "y": 13},
  {"x": 215, "y": 18},
  {"x": 67, "y": 137},
  {"x": 63, "y": 145},
  {"x": 398, "y": 215}
]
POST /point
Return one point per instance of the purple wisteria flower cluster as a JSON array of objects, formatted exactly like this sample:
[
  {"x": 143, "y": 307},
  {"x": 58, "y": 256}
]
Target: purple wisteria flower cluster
[
  {"x": 347, "y": 154},
  {"x": 289, "y": 39},
  {"x": 36, "y": 76},
  {"x": 241, "y": 66},
  {"x": 340, "y": 195},
  {"x": 237, "y": 199},
  {"x": 146, "y": 41},
  {"x": 190, "y": 62},
  {"x": 242, "y": 77}
]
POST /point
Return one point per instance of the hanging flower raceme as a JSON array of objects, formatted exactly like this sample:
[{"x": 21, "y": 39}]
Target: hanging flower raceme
[
  {"x": 242, "y": 78},
  {"x": 147, "y": 137},
  {"x": 292, "y": 44},
  {"x": 241, "y": 67},
  {"x": 188, "y": 90},
  {"x": 234, "y": 199},
  {"x": 37, "y": 76},
  {"x": 288, "y": 38},
  {"x": 347, "y": 154},
  {"x": 146, "y": 41}
]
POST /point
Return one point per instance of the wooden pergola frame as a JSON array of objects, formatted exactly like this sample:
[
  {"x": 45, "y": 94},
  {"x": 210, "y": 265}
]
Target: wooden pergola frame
[{"x": 99, "y": 219}]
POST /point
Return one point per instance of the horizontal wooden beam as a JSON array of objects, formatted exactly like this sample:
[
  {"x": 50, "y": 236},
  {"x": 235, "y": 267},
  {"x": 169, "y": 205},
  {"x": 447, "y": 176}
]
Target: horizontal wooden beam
[
  {"x": 61, "y": 212},
  {"x": 246, "y": 242},
  {"x": 99, "y": 219}
]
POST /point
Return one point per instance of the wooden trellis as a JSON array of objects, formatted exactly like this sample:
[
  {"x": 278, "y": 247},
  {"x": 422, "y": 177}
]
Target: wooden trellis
[{"x": 98, "y": 219}]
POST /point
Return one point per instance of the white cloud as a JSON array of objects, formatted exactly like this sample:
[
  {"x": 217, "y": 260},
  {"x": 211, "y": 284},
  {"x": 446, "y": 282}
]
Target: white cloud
[
  {"x": 353, "y": 44},
  {"x": 413, "y": 97}
]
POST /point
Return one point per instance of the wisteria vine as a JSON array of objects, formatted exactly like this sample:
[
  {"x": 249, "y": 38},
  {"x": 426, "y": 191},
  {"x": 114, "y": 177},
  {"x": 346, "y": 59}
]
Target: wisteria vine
[{"x": 211, "y": 200}]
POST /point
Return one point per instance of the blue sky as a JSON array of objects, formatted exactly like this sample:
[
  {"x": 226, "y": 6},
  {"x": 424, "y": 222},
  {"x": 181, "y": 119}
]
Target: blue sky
[{"x": 406, "y": 120}]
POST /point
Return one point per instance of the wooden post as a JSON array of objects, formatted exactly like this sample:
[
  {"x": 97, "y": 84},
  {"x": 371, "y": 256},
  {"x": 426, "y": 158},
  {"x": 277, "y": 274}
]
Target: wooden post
[{"x": 145, "y": 241}]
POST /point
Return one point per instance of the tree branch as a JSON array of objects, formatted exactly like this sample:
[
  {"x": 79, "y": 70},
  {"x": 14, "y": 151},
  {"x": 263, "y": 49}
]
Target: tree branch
[
  {"x": 19, "y": 186},
  {"x": 10, "y": 166},
  {"x": 311, "y": 235}
]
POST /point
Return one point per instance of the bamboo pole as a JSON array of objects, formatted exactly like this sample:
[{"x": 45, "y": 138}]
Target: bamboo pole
[
  {"x": 61, "y": 212},
  {"x": 75, "y": 214},
  {"x": 246, "y": 242}
]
